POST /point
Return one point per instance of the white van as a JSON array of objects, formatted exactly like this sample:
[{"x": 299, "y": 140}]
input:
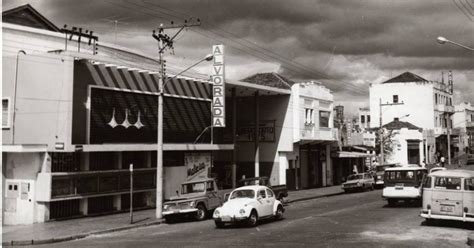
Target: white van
[
  {"x": 403, "y": 183},
  {"x": 449, "y": 195}
]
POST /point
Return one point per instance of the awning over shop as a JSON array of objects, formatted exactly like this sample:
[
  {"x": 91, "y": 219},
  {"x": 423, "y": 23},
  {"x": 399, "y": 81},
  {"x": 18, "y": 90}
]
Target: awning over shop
[
  {"x": 344, "y": 154},
  {"x": 136, "y": 80},
  {"x": 153, "y": 147}
]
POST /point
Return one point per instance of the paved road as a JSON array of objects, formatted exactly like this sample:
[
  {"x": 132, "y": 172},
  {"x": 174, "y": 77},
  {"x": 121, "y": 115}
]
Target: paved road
[{"x": 350, "y": 220}]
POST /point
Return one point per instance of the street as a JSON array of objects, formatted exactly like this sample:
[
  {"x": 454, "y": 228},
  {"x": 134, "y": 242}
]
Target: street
[{"x": 350, "y": 220}]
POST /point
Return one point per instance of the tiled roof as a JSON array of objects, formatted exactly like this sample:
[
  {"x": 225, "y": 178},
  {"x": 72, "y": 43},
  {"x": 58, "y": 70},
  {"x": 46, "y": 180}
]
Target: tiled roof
[
  {"x": 406, "y": 77},
  {"x": 271, "y": 79},
  {"x": 26, "y": 15},
  {"x": 396, "y": 125}
]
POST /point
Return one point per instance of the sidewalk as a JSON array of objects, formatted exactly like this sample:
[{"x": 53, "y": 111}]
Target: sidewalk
[{"x": 57, "y": 231}]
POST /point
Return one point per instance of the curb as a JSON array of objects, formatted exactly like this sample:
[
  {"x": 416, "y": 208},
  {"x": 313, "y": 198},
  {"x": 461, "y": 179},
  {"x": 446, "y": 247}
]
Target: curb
[
  {"x": 314, "y": 197},
  {"x": 78, "y": 236}
]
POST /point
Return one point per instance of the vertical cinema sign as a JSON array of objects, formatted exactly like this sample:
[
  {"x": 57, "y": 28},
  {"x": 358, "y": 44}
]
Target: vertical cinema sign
[{"x": 218, "y": 88}]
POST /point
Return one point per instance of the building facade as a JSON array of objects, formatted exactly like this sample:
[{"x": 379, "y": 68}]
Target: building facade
[
  {"x": 425, "y": 104},
  {"x": 463, "y": 119}
]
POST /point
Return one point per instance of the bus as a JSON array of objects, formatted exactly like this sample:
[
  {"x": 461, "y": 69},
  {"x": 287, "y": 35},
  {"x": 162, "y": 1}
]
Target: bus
[
  {"x": 448, "y": 195},
  {"x": 403, "y": 183}
]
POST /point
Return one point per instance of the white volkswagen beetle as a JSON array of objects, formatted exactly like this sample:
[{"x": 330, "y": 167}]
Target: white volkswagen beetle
[{"x": 249, "y": 204}]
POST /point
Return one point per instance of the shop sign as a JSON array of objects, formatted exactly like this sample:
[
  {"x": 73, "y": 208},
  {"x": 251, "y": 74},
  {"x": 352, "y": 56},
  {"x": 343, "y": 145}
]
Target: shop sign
[
  {"x": 218, "y": 88},
  {"x": 197, "y": 165},
  {"x": 246, "y": 132}
]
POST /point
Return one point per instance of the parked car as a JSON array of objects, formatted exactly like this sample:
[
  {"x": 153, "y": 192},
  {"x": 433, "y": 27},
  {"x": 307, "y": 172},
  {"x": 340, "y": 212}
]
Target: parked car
[
  {"x": 379, "y": 172},
  {"x": 196, "y": 199},
  {"x": 280, "y": 190},
  {"x": 360, "y": 181},
  {"x": 249, "y": 204}
]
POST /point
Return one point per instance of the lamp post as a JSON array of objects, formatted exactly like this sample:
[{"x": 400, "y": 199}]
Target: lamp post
[
  {"x": 442, "y": 40},
  {"x": 159, "y": 167}
]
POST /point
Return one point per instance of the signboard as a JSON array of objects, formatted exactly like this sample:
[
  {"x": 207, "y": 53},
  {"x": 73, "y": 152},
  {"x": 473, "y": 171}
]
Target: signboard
[
  {"x": 197, "y": 165},
  {"x": 246, "y": 132},
  {"x": 218, "y": 88}
]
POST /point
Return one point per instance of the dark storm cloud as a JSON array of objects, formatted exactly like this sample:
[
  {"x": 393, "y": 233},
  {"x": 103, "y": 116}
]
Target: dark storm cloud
[{"x": 354, "y": 43}]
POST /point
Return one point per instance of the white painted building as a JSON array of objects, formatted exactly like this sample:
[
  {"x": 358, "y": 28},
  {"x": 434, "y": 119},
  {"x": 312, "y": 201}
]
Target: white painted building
[
  {"x": 364, "y": 118},
  {"x": 463, "y": 119},
  {"x": 429, "y": 105},
  {"x": 407, "y": 145}
]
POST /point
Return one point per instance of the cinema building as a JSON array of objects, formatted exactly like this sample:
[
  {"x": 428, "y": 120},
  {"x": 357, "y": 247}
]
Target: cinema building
[{"x": 74, "y": 121}]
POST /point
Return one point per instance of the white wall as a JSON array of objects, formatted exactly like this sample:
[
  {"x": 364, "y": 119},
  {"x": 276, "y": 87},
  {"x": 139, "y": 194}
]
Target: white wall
[
  {"x": 418, "y": 99},
  {"x": 400, "y": 146}
]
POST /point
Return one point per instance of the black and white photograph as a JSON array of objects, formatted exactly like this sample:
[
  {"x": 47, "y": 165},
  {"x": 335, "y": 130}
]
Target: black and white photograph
[{"x": 238, "y": 123}]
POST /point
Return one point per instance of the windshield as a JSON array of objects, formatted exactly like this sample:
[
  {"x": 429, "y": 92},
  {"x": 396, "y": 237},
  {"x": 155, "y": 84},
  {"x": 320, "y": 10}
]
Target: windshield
[
  {"x": 245, "y": 193},
  {"x": 380, "y": 168},
  {"x": 192, "y": 188},
  {"x": 355, "y": 177}
]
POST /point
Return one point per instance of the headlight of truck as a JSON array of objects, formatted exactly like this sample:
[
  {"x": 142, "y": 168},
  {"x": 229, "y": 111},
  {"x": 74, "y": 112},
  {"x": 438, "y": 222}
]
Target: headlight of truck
[
  {"x": 358, "y": 183},
  {"x": 191, "y": 203},
  {"x": 242, "y": 211},
  {"x": 165, "y": 207}
]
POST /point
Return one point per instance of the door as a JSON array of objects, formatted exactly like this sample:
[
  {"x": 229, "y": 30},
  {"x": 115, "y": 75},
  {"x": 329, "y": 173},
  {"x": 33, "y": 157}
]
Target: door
[
  {"x": 213, "y": 198},
  {"x": 270, "y": 201},
  {"x": 263, "y": 204}
]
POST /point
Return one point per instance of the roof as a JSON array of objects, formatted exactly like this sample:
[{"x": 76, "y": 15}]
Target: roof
[
  {"x": 396, "y": 125},
  {"x": 271, "y": 79},
  {"x": 26, "y": 15},
  {"x": 198, "y": 180},
  {"x": 405, "y": 168},
  {"x": 253, "y": 187},
  {"x": 453, "y": 173},
  {"x": 405, "y": 77}
]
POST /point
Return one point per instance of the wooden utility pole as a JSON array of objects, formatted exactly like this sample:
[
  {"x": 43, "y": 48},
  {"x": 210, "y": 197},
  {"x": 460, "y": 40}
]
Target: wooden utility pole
[{"x": 382, "y": 159}]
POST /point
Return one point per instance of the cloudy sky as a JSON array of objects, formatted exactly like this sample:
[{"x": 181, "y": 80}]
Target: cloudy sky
[{"x": 347, "y": 44}]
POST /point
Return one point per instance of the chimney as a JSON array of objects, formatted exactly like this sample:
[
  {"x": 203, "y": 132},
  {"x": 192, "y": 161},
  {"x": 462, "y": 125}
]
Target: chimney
[
  {"x": 450, "y": 82},
  {"x": 396, "y": 119}
]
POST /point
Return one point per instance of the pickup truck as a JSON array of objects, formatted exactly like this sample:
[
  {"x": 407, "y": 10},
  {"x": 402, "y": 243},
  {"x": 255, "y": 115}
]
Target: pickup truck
[
  {"x": 280, "y": 190},
  {"x": 197, "y": 198}
]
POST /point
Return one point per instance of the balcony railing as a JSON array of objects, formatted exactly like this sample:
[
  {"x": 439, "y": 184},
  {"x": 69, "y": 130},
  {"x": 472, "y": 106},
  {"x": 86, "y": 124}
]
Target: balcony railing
[{"x": 444, "y": 108}]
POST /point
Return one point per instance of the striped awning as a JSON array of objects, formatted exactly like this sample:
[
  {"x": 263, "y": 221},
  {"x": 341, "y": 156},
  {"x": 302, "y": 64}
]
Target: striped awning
[{"x": 133, "y": 79}]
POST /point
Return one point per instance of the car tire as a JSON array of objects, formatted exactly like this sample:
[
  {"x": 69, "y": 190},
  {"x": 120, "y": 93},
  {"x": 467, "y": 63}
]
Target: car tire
[
  {"x": 392, "y": 202},
  {"x": 169, "y": 219},
  {"x": 279, "y": 213},
  {"x": 201, "y": 212},
  {"x": 253, "y": 219},
  {"x": 219, "y": 224},
  {"x": 372, "y": 187}
]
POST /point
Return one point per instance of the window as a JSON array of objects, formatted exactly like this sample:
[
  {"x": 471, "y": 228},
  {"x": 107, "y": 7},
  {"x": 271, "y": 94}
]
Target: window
[
  {"x": 362, "y": 119},
  {"x": 436, "y": 98},
  {"x": 5, "y": 112},
  {"x": 324, "y": 118},
  {"x": 395, "y": 98},
  {"x": 269, "y": 193},
  {"x": 261, "y": 193},
  {"x": 368, "y": 118},
  {"x": 309, "y": 116},
  {"x": 427, "y": 182},
  {"x": 448, "y": 183},
  {"x": 469, "y": 184},
  {"x": 210, "y": 186}
]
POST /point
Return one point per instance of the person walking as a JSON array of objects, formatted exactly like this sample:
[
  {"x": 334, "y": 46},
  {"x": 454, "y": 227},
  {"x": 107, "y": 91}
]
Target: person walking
[{"x": 442, "y": 161}]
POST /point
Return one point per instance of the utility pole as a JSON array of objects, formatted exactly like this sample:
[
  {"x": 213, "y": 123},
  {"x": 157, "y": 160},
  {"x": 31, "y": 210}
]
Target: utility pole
[
  {"x": 381, "y": 129},
  {"x": 164, "y": 41},
  {"x": 448, "y": 134}
]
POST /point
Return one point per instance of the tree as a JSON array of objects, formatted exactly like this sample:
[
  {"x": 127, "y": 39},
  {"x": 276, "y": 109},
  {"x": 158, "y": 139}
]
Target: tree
[{"x": 389, "y": 142}]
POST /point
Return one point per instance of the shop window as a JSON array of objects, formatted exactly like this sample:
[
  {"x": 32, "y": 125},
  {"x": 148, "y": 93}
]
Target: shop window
[
  {"x": 324, "y": 118},
  {"x": 6, "y": 112}
]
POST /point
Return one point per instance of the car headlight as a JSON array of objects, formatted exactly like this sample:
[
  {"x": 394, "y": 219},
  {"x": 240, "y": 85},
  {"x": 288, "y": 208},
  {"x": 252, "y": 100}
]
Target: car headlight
[
  {"x": 191, "y": 204},
  {"x": 242, "y": 211},
  {"x": 379, "y": 177},
  {"x": 216, "y": 213},
  {"x": 358, "y": 183},
  {"x": 165, "y": 207}
]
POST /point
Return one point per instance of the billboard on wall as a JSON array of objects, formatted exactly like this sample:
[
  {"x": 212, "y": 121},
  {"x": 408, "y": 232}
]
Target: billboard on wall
[
  {"x": 198, "y": 165},
  {"x": 218, "y": 88},
  {"x": 266, "y": 132}
]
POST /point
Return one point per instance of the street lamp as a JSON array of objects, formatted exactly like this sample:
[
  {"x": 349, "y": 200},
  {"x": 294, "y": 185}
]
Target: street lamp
[
  {"x": 159, "y": 153},
  {"x": 442, "y": 40}
]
